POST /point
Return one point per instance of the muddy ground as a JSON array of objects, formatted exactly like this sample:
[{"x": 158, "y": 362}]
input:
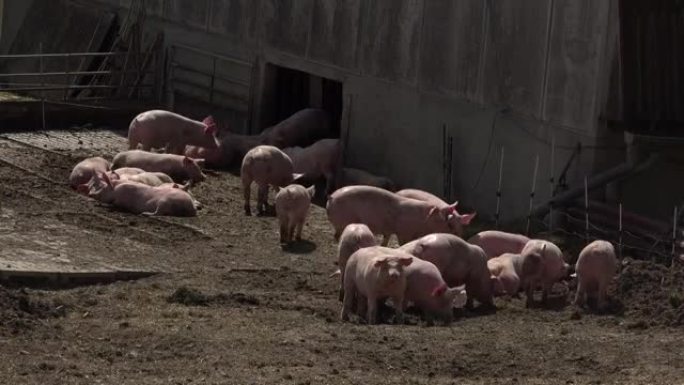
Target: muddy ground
[{"x": 233, "y": 308}]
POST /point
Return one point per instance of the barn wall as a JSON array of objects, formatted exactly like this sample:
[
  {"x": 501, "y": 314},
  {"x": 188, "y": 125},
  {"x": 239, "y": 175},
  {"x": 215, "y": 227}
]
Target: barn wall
[{"x": 411, "y": 66}]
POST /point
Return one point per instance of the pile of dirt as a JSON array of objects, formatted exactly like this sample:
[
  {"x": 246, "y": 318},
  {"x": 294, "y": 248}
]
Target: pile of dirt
[
  {"x": 193, "y": 297},
  {"x": 20, "y": 310},
  {"x": 653, "y": 294}
]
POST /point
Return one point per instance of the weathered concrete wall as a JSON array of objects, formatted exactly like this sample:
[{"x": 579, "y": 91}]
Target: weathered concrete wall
[
  {"x": 14, "y": 13},
  {"x": 411, "y": 66}
]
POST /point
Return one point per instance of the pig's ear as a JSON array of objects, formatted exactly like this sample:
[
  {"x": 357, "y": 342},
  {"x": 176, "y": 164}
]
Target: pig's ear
[
  {"x": 311, "y": 191},
  {"x": 439, "y": 290},
  {"x": 467, "y": 218},
  {"x": 434, "y": 210},
  {"x": 186, "y": 160},
  {"x": 380, "y": 261},
  {"x": 405, "y": 261},
  {"x": 200, "y": 162}
]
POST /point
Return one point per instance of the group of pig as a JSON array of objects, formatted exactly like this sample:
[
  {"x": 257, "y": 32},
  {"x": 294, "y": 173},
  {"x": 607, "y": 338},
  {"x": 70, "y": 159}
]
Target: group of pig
[{"x": 434, "y": 268}]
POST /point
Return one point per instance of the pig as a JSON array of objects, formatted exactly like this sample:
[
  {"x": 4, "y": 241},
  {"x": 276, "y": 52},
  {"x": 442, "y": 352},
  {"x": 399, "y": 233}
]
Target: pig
[
  {"x": 555, "y": 267},
  {"x": 595, "y": 268},
  {"x": 354, "y": 237},
  {"x": 159, "y": 128},
  {"x": 495, "y": 243},
  {"x": 303, "y": 128},
  {"x": 463, "y": 219},
  {"x": 265, "y": 165},
  {"x": 138, "y": 198},
  {"x": 459, "y": 263},
  {"x": 387, "y": 213},
  {"x": 317, "y": 160},
  {"x": 127, "y": 171},
  {"x": 214, "y": 158},
  {"x": 375, "y": 273},
  {"x": 426, "y": 288},
  {"x": 149, "y": 178},
  {"x": 292, "y": 206},
  {"x": 86, "y": 169},
  {"x": 509, "y": 272},
  {"x": 355, "y": 177},
  {"x": 180, "y": 168}
]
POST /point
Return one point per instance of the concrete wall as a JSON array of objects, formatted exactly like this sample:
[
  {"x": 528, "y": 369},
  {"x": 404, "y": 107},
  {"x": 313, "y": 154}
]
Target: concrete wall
[
  {"x": 411, "y": 66},
  {"x": 13, "y": 15}
]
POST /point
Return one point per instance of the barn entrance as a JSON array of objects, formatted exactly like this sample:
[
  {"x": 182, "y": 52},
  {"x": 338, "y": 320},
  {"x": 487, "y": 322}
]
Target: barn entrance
[{"x": 287, "y": 91}]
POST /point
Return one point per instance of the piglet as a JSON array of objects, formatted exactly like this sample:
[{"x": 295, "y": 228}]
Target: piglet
[
  {"x": 495, "y": 243},
  {"x": 128, "y": 171},
  {"x": 292, "y": 206},
  {"x": 426, "y": 288},
  {"x": 86, "y": 169},
  {"x": 372, "y": 274},
  {"x": 509, "y": 272},
  {"x": 354, "y": 237},
  {"x": 595, "y": 268},
  {"x": 463, "y": 219},
  {"x": 159, "y": 128},
  {"x": 180, "y": 168},
  {"x": 459, "y": 263},
  {"x": 267, "y": 166},
  {"x": 555, "y": 268},
  {"x": 149, "y": 178}
]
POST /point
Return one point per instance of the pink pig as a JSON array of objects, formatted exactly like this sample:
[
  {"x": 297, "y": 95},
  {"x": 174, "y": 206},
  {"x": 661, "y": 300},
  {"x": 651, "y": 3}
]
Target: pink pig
[
  {"x": 495, "y": 243},
  {"x": 159, "y": 128},
  {"x": 426, "y": 288},
  {"x": 510, "y": 272},
  {"x": 292, "y": 206},
  {"x": 425, "y": 196},
  {"x": 555, "y": 268},
  {"x": 267, "y": 166},
  {"x": 86, "y": 169},
  {"x": 595, "y": 268},
  {"x": 387, "y": 213},
  {"x": 354, "y": 237},
  {"x": 372, "y": 274},
  {"x": 138, "y": 198},
  {"x": 458, "y": 261},
  {"x": 317, "y": 160},
  {"x": 180, "y": 168}
]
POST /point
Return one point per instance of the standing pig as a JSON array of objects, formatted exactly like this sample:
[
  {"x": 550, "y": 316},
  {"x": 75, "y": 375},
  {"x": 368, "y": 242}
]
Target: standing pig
[
  {"x": 316, "y": 161},
  {"x": 495, "y": 243},
  {"x": 355, "y": 177},
  {"x": 426, "y": 288},
  {"x": 425, "y": 196},
  {"x": 387, "y": 213},
  {"x": 138, "y": 198},
  {"x": 372, "y": 274},
  {"x": 354, "y": 237},
  {"x": 595, "y": 268},
  {"x": 159, "y": 128},
  {"x": 265, "y": 165},
  {"x": 86, "y": 169},
  {"x": 292, "y": 206},
  {"x": 180, "y": 168},
  {"x": 511, "y": 271},
  {"x": 303, "y": 128},
  {"x": 458, "y": 261},
  {"x": 555, "y": 268}
]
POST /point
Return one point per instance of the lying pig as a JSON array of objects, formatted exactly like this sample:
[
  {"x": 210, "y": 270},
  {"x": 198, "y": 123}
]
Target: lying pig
[
  {"x": 317, "y": 160},
  {"x": 149, "y": 178},
  {"x": 354, "y": 237},
  {"x": 595, "y": 268},
  {"x": 495, "y": 243},
  {"x": 458, "y": 261},
  {"x": 356, "y": 177},
  {"x": 387, "y": 213},
  {"x": 555, "y": 268},
  {"x": 509, "y": 272},
  {"x": 267, "y": 166},
  {"x": 86, "y": 169},
  {"x": 426, "y": 288},
  {"x": 127, "y": 171},
  {"x": 425, "y": 196},
  {"x": 159, "y": 128},
  {"x": 180, "y": 168},
  {"x": 372, "y": 274},
  {"x": 303, "y": 128},
  {"x": 292, "y": 206},
  {"x": 138, "y": 198}
]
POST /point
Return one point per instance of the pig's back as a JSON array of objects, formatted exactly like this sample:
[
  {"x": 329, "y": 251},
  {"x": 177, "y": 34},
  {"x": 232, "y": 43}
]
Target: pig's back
[{"x": 372, "y": 206}]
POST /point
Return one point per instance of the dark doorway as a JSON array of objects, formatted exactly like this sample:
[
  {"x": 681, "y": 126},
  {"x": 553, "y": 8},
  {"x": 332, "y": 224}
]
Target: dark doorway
[{"x": 288, "y": 91}]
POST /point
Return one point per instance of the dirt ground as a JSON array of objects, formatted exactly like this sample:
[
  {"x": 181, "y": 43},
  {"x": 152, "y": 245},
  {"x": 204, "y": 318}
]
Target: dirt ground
[{"x": 231, "y": 307}]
